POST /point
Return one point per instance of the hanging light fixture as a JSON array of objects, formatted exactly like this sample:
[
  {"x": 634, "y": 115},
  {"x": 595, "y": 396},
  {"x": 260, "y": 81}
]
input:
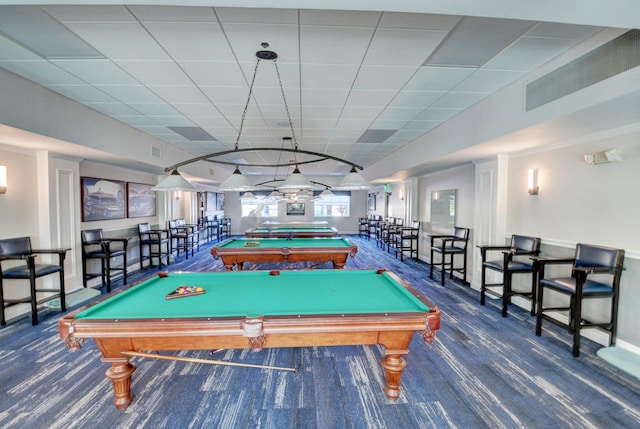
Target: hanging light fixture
[
  {"x": 325, "y": 194},
  {"x": 174, "y": 182},
  {"x": 296, "y": 181},
  {"x": 237, "y": 182},
  {"x": 353, "y": 182}
]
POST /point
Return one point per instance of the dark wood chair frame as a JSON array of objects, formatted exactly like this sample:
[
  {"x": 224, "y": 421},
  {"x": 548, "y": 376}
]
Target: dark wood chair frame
[
  {"x": 157, "y": 243},
  {"x": 19, "y": 249},
  {"x": 95, "y": 246},
  {"x": 516, "y": 260},
  {"x": 448, "y": 246},
  {"x": 212, "y": 226},
  {"x": 186, "y": 237},
  {"x": 406, "y": 238},
  {"x": 591, "y": 267}
]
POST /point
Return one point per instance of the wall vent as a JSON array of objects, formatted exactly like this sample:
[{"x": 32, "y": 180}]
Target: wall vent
[
  {"x": 156, "y": 152},
  {"x": 614, "y": 57}
]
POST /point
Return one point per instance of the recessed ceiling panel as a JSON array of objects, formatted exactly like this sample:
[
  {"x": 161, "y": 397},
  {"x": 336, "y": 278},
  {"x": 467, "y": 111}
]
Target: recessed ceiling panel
[
  {"x": 42, "y": 34},
  {"x": 193, "y": 133},
  {"x": 375, "y": 136},
  {"x": 528, "y": 53},
  {"x": 475, "y": 40}
]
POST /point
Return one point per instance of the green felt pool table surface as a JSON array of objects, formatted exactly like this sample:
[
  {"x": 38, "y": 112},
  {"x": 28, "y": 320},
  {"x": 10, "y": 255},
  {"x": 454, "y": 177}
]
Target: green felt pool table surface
[
  {"x": 291, "y": 231},
  {"x": 271, "y": 243},
  {"x": 257, "y": 293},
  {"x": 253, "y": 309}
]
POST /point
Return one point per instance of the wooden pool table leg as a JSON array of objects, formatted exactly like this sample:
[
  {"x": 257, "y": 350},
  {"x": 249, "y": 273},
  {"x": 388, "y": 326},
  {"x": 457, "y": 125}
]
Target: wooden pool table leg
[
  {"x": 394, "y": 364},
  {"x": 120, "y": 376}
]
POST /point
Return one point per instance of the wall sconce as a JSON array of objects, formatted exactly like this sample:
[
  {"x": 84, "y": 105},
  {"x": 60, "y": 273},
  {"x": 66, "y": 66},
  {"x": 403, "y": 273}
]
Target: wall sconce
[
  {"x": 3, "y": 179},
  {"x": 532, "y": 182}
]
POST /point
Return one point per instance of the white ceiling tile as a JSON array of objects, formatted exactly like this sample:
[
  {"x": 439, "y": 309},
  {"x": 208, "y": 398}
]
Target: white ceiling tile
[
  {"x": 319, "y": 45},
  {"x": 370, "y": 98},
  {"x": 267, "y": 75},
  {"x": 324, "y": 97},
  {"x": 416, "y": 45},
  {"x": 421, "y": 21},
  {"x": 399, "y": 113},
  {"x": 179, "y": 94},
  {"x": 437, "y": 114},
  {"x": 173, "y": 121},
  {"x": 245, "y": 40},
  {"x": 528, "y": 53},
  {"x": 173, "y": 13},
  {"x": 274, "y": 97},
  {"x": 383, "y": 77},
  {"x": 154, "y": 109},
  {"x": 9, "y": 51},
  {"x": 42, "y": 72},
  {"x": 360, "y": 112},
  {"x": 273, "y": 16},
  {"x": 97, "y": 72},
  {"x": 221, "y": 95},
  {"x": 214, "y": 73},
  {"x": 89, "y": 13},
  {"x": 437, "y": 78},
  {"x": 113, "y": 109},
  {"x": 488, "y": 80},
  {"x": 120, "y": 40},
  {"x": 421, "y": 99},
  {"x": 141, "y": 122},
  {"x": 475, "y": 40},
  {"x": 389, "y": 124},
  {"x": 155, "y": 72},
  {"x": 321, "y": 112},
  {"x": 343, "y": 18},
  {"x": 82, "y": 93},
  {"x": 353, "y": 124},
  {"x": 130, "y": 93},
  {"x": 192, "y": 40},
  {"x": 338, "y": 76},
  {"x": 198, "y": 110},
  {"x": 460, "y": 100},
  {"x": 556, "y": 30},
  {"x": 421, "y": 125}
]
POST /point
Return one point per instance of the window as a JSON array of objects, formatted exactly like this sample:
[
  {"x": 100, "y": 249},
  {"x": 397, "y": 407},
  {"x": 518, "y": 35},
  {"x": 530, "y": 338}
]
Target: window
[
  {"x": 338, "y": 206},
  {"x": 259, "y": 208}
]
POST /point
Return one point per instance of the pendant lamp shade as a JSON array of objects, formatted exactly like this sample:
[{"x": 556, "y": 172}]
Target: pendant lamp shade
[
  {"x": 353, "y": 182},
  {"x": 237, "y": 182},
  {"x": 174, "y": 182},
  {"x": 296, "y": 180}
]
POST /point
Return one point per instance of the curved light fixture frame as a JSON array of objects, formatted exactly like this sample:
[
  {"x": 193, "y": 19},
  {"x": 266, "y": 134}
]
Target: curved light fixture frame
[{"x": 321, "y": 157}]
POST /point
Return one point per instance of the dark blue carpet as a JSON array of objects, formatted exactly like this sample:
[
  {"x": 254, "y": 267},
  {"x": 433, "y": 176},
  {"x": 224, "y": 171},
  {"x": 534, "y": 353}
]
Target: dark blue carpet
[{"x": 482, "y": 371}]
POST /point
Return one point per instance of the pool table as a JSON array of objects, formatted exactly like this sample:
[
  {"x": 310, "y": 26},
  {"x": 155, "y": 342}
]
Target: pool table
[
  {"x": 256, "y": 309},
  {"x": 237, "y": 251},
  {"x": 291, "y": 232}
]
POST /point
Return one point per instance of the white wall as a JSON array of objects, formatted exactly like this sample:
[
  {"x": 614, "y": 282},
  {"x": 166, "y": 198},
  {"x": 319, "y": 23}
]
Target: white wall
[
  {"x": 462, "y": 179},
  {"x": 593, "y": 204}
]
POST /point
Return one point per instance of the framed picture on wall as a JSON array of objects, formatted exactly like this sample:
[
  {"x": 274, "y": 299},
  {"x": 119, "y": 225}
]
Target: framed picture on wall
[
  {"x": 141, "y": 200},
  {"x": 102, "y": 199},
  {"x": 371, "y": 202},
  {"x": 295, "y": 209},
  {"x": 219, "y": 201}
]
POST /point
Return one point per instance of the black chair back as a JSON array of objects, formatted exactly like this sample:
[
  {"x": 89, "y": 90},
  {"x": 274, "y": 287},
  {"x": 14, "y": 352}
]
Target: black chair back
[{"x": 15, "y": 246}]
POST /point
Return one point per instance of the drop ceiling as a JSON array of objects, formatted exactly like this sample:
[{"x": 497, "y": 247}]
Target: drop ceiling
[{"x": 358, "y": 85}]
